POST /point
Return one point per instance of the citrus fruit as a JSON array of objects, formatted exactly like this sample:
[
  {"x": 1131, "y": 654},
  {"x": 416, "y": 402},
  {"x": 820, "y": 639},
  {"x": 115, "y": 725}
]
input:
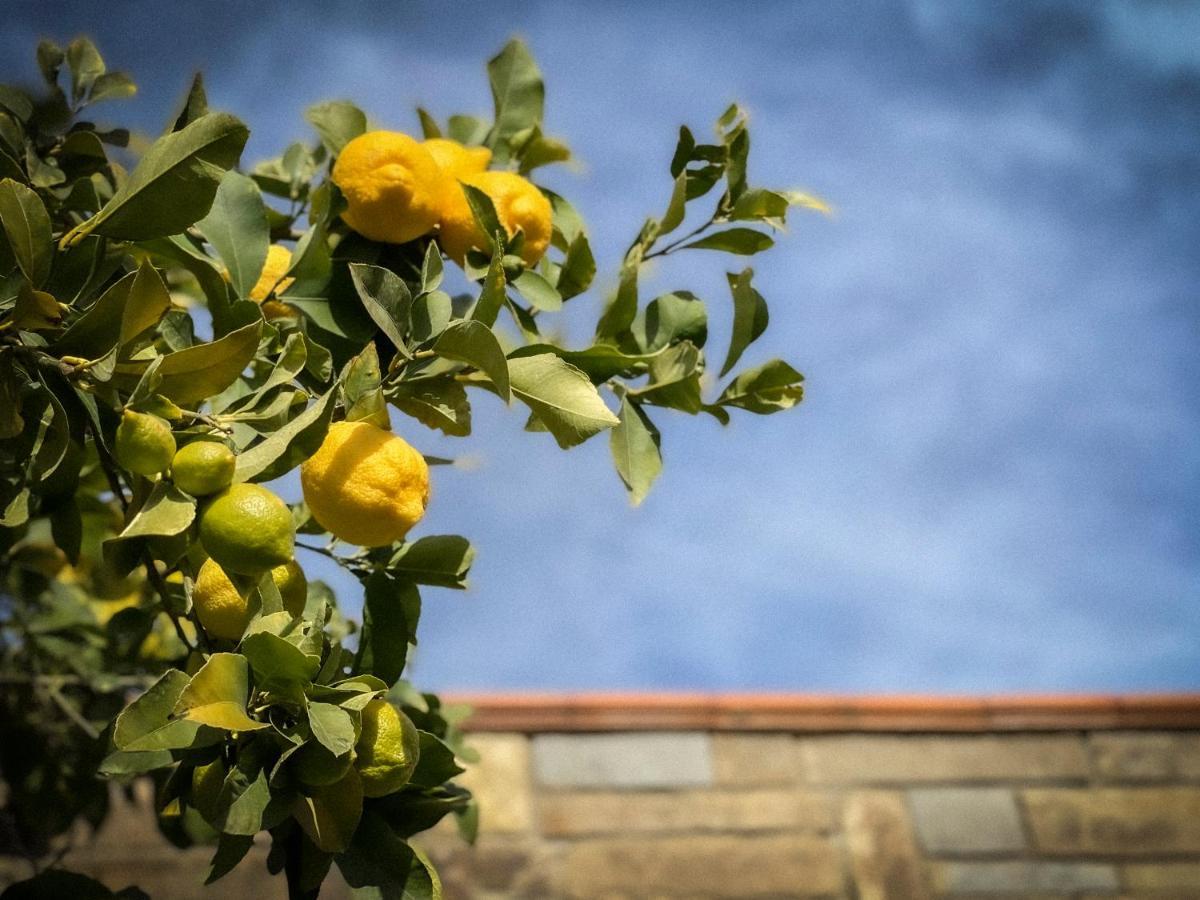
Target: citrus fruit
[
  {"x": 388, "y": 749},
  {"x": 248, "y": 530},
  {"x": 278, "y": 261},
  {"x": 519, "y": 204},
  {"x": 455, "y": 159},
  {"x": 392, "y": 186},
  {"x": 144, "y": 443},
  {"x": 316, "y": 765},
  {"x": 365, "y": 485},
  {"x": 203, "y": 467},
  {"x": 222, "y": 607},
  {"x": 293, "y": 586}
]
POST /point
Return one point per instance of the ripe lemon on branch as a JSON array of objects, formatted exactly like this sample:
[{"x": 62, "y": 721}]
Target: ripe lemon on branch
[
  {"x": 223, "y": 605},
  {"x": 203, "y": 467},
  {"x": 392, "y": 186},
  {"x": 455, "y": 159},
  {"x": 519, "y": 205},
  {"x": 364, "y": 485}
]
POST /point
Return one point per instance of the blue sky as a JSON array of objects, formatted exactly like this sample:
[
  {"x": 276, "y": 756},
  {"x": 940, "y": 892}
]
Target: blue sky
[{"x": 993, "y": 483}]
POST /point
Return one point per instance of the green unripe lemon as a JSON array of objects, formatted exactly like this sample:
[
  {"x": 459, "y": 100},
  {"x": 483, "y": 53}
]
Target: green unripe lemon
[
  {"x": 203, "y": 467},
  {"x": 388, "y": 749},
  {"x": 293, "y": 586},
  {"x": 144, "y": 443},
  {"x": 247, "y": 530}
]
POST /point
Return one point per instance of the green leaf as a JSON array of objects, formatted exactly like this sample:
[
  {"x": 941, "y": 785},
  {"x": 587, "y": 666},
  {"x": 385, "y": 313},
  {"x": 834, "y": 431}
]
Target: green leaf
[
  {"x": 486, "y": 217},
  {"x": 112, "y": 86},
  {"x": 429, "y": 315},
  {"x": 600, "y": 361},
  {"x": 636, "y": 450},
  {"x": 218, "y": 693},
  {"x": 472, "y": 342},
  {"x": 671, "y": 318},
  {"x": 431, "y": 269},
  {"x": 332, "y": 727},
  {"x": 167, "y": 511},
  {"x": 127, "y": 763},
  {"x": 441, "y": 560},
  {"x": 289, "y": 445},
  {"x": 236, "y": 226},
  {"x": 146, "y": 304},
  {"x": 16, "y": 102},
  {"x": 492, "y": 296},
  {"x": 622, "y": 309},
  {"x": 195, "y": 105},
  {"x": 249, "y": 803},
  {"x": 231, "y": 850},
  {"x": 540, "y": 293},
  {"x": 86, "y": 66},
  {"x": 337, "y": 122},
  {"x": 439, "y": 403},
  {"x": 330, "y": 814},
  {"x": 199, "y": 372},
  {"x": 517, "y": 91},
  {"x": 467, "y": 130},
  {"x": 674, "y": 379},
  {"x": 27, "y": 227},
  {"x": 749, "y": 317},
  {"x": 386, "y": 630},
  {"x": 578, "y": 268},
  {"x": 429, "y": 125},
  {"x": 739, "y": 241},
  {"x": 673, "y": 217},
  {"x": 174, "y": 183},
  {"x": 379, "y": 865},
  {"x": 361, "y": 382},
  {"x": 278, "y": 662},
  {"x": 133, "y": 305},
  {"x": 771, "y": 387},
  {"x": 435, "y": 763},
  {"x": 561, "y": 396},
  {"x": 761, "y": 205},
  {"x": 50, "y": 59},
  {"x": 54, "y": 884},
  {"x": 541, "y": 150},
  {"x": 147, "y": 723},
  {"x": 386, "y": 299}
]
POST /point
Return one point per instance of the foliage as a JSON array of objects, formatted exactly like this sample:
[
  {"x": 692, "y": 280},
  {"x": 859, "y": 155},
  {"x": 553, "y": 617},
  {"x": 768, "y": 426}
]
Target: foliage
[{"x": 133, "y": 286}]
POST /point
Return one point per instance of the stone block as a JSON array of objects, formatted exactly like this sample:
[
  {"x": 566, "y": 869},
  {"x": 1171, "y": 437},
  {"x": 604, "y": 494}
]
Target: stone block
[
  {"x": 709, "y": 866},
  {"x": 756, "y": 760},
  {"x": 899, "y": 759},
  {"x": 501, "y": 782},
  {"x": 1133, "y": 756},
  {"x": 575, "y": 813},
  {"x": 1161, "y": 876},
  {"x": 1023, "y": 878},
  {"x": 883, "y": 853},
  {"x": 649, "y": 760},
  {"x": 1113, "y": 821},
  {"x": 967, "y": 820}
]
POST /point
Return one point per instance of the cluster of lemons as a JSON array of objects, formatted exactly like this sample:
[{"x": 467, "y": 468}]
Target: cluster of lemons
[
  {"x": 398, "y": 189},
  {"x": 365, "y": 486}
]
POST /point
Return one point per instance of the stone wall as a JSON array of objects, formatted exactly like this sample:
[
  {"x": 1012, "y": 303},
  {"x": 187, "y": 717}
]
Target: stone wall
[{"x": 1092, "y": 808}]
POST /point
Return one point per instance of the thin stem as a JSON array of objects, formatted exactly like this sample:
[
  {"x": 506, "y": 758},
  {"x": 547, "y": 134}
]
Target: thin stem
[{"x": 675, "y": 244}]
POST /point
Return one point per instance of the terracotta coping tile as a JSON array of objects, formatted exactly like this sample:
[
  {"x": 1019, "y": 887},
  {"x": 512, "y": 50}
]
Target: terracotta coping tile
[{"x": 533, "y": 713}]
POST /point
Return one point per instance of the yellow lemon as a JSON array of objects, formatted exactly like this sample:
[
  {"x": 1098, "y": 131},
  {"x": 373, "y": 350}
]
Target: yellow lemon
[
  {"x": 388, "y": 749},
  {"x": 392, "y": 186},
  {"x": 455, "y": 159},
  {"x": 248, "y": 530},
  {"x": 144, "y": 443},
  {"x": 203, "y": 467},
  {"x": 222, "y": 607},
  {"x": 293, "y": 586},
  {"x": 365, "y": 485},
  {"x": 519, "y": 205},
  {"x": 279, "y": 260}
]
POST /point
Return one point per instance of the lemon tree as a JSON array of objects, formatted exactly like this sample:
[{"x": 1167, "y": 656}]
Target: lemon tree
[{"x": 180, "y": 327}]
